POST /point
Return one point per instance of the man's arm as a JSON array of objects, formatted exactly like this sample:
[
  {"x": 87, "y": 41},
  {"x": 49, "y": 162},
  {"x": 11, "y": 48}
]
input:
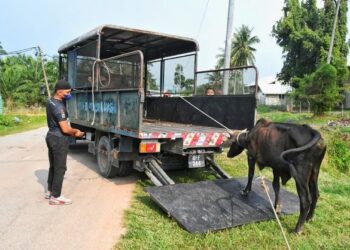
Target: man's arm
[{"x": 69, "y": 130}]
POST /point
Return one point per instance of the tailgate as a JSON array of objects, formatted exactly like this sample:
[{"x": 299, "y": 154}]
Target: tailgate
[{"x": 193, "y": 136}]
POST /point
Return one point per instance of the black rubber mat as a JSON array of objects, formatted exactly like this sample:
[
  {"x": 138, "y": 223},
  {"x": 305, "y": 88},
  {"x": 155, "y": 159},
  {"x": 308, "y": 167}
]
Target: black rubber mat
[{"x": 213, "y": 205}]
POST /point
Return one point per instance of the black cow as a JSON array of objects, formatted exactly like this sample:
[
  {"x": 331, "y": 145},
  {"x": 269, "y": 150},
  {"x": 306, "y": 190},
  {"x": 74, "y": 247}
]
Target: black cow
[{"x": 291, "y": 150}]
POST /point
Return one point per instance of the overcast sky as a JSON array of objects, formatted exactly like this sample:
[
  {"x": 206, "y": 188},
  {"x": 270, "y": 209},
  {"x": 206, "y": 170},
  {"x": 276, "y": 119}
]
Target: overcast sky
[{"x": 51, "y": 23}]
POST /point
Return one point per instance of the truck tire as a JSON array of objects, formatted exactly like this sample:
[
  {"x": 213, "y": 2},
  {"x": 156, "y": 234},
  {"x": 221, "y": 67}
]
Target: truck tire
[
  {"x": 104, "y": 159},
  {"x": 125, "y": 168}
]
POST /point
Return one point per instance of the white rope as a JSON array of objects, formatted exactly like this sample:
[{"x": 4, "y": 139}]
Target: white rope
[
  {"x": 99, "y": 82},
  {"x": 242, "y": 132},
  {"x": 201, "y": 111},
  {"x": 266, "y": 189},
  {"x": 109, "y": 75},
  {"x": 92, "y": 92}
]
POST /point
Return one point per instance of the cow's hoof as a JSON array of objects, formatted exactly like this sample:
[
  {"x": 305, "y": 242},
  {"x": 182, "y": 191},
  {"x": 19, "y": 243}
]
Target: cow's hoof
[
  {"x": 278, "y": 209},
  {"x": 244, "y": 193},
  {"x": 310, "y": 219},
  {"x": 298, "y": 231}
]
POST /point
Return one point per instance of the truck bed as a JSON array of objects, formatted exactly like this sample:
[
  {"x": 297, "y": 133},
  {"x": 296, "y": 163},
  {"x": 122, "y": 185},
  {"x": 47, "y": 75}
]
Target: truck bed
[{"x": 192, "y": 135}]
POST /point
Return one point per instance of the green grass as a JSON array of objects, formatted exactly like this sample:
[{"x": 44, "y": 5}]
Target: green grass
[
  {"x": 148, "y": 227},
  {"x": 15, "y": 123}
]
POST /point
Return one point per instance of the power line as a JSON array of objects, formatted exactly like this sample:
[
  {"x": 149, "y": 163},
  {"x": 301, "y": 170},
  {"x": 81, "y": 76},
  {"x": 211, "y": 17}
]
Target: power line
[
  {"x": 21, "y": 51},
  {"x": 202, "y": 20}
]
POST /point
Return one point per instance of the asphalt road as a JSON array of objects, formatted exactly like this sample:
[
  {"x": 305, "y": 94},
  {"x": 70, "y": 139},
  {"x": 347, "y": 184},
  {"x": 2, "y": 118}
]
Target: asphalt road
[{"x": 27, "y": 221}]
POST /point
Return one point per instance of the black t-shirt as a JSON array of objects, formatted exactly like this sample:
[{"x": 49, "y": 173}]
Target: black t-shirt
[{"x": 56, "y": 112}]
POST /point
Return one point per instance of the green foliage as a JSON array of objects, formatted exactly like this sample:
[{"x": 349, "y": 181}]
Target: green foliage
[
  {"x": 2, "y": 51},
  {"x": 21, "y": 77},
  {"x": 15, "y": 123},
  {"x": 242, "y": 50},
  {"x": 304, "y": 34},
  {"x": 6, "y": 121},
  {"x": 262, "y": 109},
  {"x": 339, "y": 153},
  {"x": 320, "y": 88}
]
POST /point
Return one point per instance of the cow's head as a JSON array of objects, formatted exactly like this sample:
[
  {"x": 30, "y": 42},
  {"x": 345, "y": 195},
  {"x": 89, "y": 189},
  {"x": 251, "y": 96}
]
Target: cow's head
[{"x": 238, "y": 142}]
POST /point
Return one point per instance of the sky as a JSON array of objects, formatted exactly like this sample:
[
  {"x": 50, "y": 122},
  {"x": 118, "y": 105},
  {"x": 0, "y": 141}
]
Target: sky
[{"x": 50, "y": 24}]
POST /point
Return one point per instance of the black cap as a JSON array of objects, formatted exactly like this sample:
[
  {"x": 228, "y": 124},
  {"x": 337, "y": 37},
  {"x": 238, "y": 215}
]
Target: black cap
[{"x": 62, "y": 84}]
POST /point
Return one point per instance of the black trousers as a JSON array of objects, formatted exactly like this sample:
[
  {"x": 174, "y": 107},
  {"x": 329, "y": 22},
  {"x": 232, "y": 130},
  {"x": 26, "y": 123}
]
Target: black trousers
[{"x": 58, "y": 150}]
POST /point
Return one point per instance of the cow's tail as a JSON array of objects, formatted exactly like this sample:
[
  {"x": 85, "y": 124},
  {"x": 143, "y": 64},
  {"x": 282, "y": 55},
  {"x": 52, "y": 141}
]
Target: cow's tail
[{"x": 308, "y": 145}]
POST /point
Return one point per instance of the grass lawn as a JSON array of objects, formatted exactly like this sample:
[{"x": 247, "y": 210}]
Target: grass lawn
[
  {"x": 148, "y": 227},
  {"x": 14, "y": 123}
]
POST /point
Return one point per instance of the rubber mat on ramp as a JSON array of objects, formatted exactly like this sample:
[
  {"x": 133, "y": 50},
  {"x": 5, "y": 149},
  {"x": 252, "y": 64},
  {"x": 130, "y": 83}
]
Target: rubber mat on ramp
[{"x": 213, "y": 205}]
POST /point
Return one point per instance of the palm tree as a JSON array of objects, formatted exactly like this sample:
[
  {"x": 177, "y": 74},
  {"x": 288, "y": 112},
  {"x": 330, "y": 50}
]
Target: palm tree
[
  {"x": 2, "y": 51},
  {"x": 242, "y": 50}
]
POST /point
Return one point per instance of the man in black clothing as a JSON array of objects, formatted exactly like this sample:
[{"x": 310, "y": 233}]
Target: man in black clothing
[{"x": 57, "y": 141}]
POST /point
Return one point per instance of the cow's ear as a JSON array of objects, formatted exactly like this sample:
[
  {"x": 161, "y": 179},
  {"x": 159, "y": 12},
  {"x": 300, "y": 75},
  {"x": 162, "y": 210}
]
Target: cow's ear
[
  {"x": 234, "y": 150},
  {"x": 262, "y": 122}
]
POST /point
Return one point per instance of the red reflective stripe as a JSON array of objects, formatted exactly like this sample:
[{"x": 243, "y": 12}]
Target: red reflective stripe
[
  {"x": 207, "y": 139},
  {"x": 195, "y": 139},
  {"x": 155, "y": 135},
  {"x": 220, "y": 140}
]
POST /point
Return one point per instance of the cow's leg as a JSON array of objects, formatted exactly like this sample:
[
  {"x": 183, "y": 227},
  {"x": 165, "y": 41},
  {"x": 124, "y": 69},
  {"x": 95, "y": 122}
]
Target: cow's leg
[
  {"x": 276, "y": 188},
  {"x": 304, "y": 197},
  {"x": 251, "y": 168},
  {"x": 314, "y": 196},
  {"x": 313, "y": 185}
]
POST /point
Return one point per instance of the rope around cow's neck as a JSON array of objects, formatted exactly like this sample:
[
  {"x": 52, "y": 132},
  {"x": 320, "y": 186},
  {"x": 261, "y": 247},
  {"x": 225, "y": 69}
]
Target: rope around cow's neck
[{"x": 242, "y": 132}]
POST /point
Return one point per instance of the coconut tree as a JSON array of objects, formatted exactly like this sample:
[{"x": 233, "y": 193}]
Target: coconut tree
[
  {"x": 242, "y": 54},
  {"x": 242, "y": 48},
  {"x": 2, "y": 51}
]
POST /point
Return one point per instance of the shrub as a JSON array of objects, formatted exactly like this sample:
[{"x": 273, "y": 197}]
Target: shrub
[
  {"x": 320, "y": 88},
  {"x": 339, "y": 153},
  {"x": 6, "y": 121}
]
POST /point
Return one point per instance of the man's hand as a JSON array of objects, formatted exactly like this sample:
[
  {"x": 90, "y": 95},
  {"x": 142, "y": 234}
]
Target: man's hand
[
  {"x": 70, "y": 131},
  {"x": 79, "y": 134}
]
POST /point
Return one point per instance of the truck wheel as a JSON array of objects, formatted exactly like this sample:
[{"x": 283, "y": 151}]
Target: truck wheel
[
  {"x": 104, "y": 160},
  {"x": 125, "y": 168}
]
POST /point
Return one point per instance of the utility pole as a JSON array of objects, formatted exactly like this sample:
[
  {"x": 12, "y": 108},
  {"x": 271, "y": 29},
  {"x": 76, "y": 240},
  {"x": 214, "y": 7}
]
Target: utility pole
[
  {"x": 227, "y": 57},
  {"x": 44, "y": 72},
  {"x": 333, "y": 33}
]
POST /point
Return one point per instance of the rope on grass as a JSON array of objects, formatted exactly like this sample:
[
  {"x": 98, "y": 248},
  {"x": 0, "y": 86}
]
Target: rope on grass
[{"x": 266, "y": 189}]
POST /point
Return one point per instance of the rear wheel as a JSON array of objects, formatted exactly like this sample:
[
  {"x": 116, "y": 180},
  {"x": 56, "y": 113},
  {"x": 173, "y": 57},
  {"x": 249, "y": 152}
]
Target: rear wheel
[
  {"x": 124, "y": 168},
  {"x": 104, "y": 158}
]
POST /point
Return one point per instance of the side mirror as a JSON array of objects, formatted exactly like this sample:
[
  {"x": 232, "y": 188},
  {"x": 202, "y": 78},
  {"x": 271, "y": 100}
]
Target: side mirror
[{"x": 43, "y": 90}]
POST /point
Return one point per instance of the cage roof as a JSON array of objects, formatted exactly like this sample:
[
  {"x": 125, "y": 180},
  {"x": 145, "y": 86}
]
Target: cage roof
[{"x": 116, "y": 40}]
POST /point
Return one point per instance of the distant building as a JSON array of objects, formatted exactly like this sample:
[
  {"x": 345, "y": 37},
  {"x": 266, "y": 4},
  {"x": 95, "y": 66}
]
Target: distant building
[{"x": 272, "y": 92}]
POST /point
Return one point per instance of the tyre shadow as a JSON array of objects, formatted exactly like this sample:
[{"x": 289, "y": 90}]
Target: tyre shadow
[{"x": 79, "y": 152}]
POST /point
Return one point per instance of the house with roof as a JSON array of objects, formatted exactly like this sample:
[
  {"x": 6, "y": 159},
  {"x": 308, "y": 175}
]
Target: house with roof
[{"x": 272, "y": 92}]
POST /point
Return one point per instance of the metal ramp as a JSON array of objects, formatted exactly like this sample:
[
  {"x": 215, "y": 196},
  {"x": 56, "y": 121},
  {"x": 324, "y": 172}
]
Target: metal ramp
[
  {"x": 153, "y": 169},
  {"x": 155, "y": 172},
  {"x": 213, "y": 205}
]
